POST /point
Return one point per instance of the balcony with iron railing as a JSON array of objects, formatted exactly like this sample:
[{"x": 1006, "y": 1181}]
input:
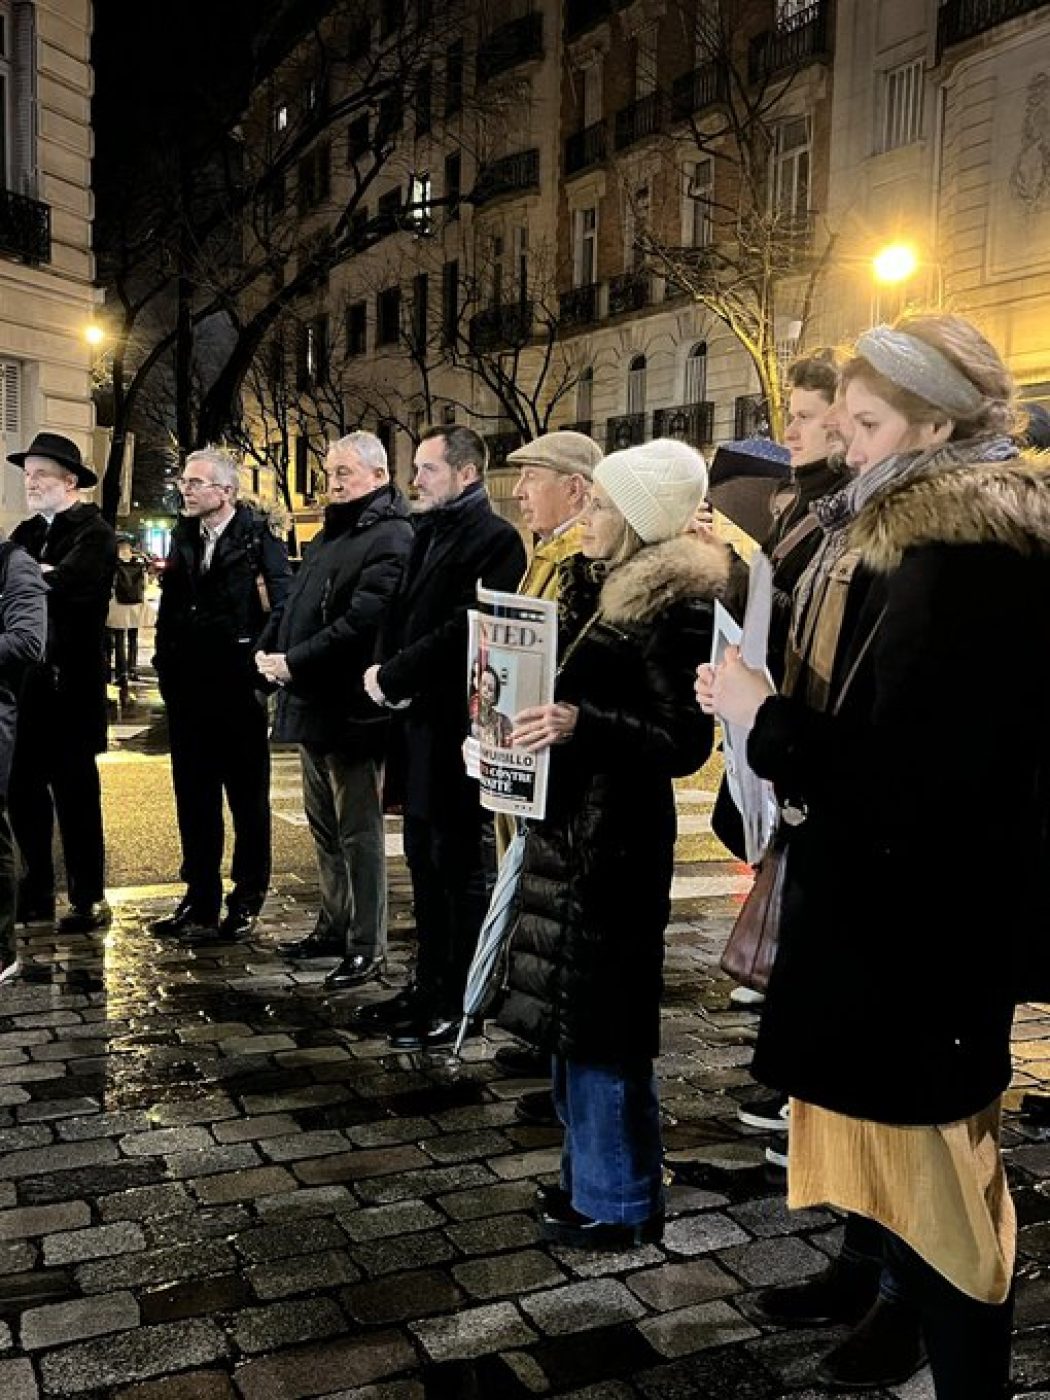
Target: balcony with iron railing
[
  {"x": 798, "y": 41},
  {"x": 25, "y": 228},
  {"x": 500, "y": 445},
  {"x": 646, "y": 116},
  {"x": 581, "y": 306},
  {"x": 750, "y": 416},
  {"x": 692, "y": 92},
  {"x": 631, "y": 291},
  {"x": 625, "y": 430},
  {"x": 501, "y": 327},
  {"x": 581, "y": 15},
  {"x": 511, "y": 174},
  {"x": 518, "y": 41},
  {"x": 959, "y": 20},
  {"x": 689, "y": 422},
  {"x": 585, "y": 148}
]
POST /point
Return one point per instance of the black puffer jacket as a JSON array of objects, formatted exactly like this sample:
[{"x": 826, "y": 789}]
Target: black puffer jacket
[
  {"x": 330, "y": 623},
  {"x": 587, "y": 956}
]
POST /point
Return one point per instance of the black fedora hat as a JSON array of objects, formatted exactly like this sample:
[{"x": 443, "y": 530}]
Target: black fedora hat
[{"x": 61, "y": 450}]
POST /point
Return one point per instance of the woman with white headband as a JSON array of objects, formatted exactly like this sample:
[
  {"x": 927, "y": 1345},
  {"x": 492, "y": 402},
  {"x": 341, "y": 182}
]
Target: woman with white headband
[{"x": 911, "y": 757}]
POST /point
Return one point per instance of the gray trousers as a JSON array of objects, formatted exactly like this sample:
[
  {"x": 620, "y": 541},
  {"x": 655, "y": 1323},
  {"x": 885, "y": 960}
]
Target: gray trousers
[{"x": 343, "y": 801}]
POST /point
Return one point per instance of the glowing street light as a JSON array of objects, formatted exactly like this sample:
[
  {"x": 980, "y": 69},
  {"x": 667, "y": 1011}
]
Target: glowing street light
[
  {"x": 898, "y": 262},
  {"x": 94, "y": 334}
]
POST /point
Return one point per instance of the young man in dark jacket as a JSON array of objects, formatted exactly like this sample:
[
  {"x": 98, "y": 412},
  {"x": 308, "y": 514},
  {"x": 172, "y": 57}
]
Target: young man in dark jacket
[
  {"x": 225, "y": 574},
  {"x": 315, "y": 653},
  {"x": 460, "y": 541},
  {"x": 62, "y": 706}
]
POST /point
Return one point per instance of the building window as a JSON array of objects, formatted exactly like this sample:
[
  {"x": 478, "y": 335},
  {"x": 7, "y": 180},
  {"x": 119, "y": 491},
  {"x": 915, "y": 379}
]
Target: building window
[
  {"x": 424, "y": 100},
  {"x": 359, "y": 226},
  {"x": 358, "y": 138},
  {"x": 585, "y": 398},
  {"x": 636, "y": 385},
  {"x": 314, "y": 177},
  {"x": 592, "y": 94},
  {"x": 903, "y": 90},
  {"x": 391, "y": 17},
  {"x": 420, "y": 311},
  {"x": 357, "y": 328},
  {"x": 496, "y": 269},
  {"x": 791, "y": 167},
  {"x": 454, "y": 78},
  {"x": 636, "y": 226},
  {"x": 6, "y": 96},
  {"x": 280, "y": 114},
  {"x": 697, "y": 222},
  {"x": 313, "y": 352},
  {"x": 11, "y": 399},
  {"x": 420, "y": 201},
  {"x": 453, "y": 184},
  {"x": 314, "y": 95},
  {"x": 390, "y": 116},
  {"x": 585, "y": 247},
  {"x": 278, "y": 191},
  {"x": 696, "y": 374},
  {"x": 450, "y": 302},
  {"x": 388, "y": 316},
  {"x": 645, "y": 62},
  {"x": 302, "y": 468},
  {"x": 521, "y": 262}
]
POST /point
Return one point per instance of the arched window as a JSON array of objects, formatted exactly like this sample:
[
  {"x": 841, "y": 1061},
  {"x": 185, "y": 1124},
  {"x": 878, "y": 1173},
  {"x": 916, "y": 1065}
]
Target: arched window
[
  {"x": 636, "y": 385},
  {"x": 696, "y": 374}
]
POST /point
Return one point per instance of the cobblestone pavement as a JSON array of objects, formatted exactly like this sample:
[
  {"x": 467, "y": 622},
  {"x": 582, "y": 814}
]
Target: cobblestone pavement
[{"x": 211, "y": 1187}]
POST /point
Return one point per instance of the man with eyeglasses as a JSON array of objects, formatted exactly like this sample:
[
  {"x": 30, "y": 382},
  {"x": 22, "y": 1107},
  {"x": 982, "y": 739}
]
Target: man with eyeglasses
[
  {"x": 315, "y": 653},
  {"x": 225, "y": 575},
  {"x": 62, "y": 707}
]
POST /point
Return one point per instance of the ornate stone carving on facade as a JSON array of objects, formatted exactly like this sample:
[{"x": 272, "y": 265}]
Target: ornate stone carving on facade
[{"x": 1030, "y": 176}]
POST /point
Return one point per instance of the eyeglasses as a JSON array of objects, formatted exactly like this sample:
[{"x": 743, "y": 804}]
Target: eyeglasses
[{"x": 196, "y": 483}]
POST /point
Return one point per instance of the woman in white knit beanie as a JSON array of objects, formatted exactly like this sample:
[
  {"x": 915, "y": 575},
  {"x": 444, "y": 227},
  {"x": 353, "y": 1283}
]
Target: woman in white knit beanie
[{"x": 585, "y": 976}]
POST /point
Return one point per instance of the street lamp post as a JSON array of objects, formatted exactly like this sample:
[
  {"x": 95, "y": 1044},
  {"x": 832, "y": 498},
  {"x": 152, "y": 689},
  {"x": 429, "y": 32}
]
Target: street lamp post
[{"x": 896, "y": 265}]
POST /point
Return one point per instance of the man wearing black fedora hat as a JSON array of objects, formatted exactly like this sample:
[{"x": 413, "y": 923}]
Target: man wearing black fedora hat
[{"x": 62, "y": 715}]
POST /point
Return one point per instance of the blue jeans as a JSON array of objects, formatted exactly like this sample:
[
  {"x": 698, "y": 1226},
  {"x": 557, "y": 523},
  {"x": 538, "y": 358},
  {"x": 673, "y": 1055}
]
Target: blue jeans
[{"x": 612, "y": 1160}]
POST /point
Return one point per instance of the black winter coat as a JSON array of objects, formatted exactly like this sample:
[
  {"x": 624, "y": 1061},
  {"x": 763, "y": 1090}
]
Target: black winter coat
[
  {"x": 424, "y": 645},
  {"x": 330, "y": 623},
  {"x": 81, "y": 547},
  {"x": 594, "y": 899},
  {"x": 23, "y": 639},
  {"x": 919, "y": 881},
  {"x": 208, "y": 624}
]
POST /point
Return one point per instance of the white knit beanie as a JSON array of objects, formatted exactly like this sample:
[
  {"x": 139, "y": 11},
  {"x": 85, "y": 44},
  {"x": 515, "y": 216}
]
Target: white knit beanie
[{"x": 657, "y": 486}]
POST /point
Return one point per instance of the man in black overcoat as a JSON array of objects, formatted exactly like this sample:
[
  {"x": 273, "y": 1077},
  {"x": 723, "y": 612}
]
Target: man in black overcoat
[
  {"x": 62, "y": 708},
  {"x": 225, "y": 575},
  {"x": 460, "y": 540},
  {"x": 315, "y": 653}
]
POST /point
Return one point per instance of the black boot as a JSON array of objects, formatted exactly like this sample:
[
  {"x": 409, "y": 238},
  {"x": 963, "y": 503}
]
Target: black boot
[
  {"x": 884, "y": 1349},
  {"x": 843, "y": 1292}
]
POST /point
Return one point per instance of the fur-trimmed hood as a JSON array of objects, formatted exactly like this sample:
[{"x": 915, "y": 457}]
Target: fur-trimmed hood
[
  {"x": 662, "y": 574},
  {"x": 1005, "y": 503}
]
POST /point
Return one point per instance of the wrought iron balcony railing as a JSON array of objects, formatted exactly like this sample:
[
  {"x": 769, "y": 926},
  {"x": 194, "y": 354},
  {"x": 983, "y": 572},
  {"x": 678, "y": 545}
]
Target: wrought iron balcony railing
[
  {"x": 508, "y": 175},
  {"x": 25, "y": 228},
  {"x": 585, "y": 148},
  {"x": 959, "y": 20},
  {"x": 750, "y": 416},
  {"x": 580, "y": 306},
  {"x": 631, "y": 291},
  {"x": 689, "y": 422},
  {"x": 796, "y": 42},
  {"x": 500, "y": 327},
  {"x": 645, "y": 117},
  {"x": 692, "y": 92},
  {"x": 516, "y": 42},
  {"x": 626, "y": 430},
  {"x": 499, "y": 446}
]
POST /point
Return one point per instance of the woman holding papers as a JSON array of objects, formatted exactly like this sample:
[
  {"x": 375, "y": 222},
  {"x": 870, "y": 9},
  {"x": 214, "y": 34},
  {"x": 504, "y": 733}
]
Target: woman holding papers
[
  {"x": 587, "y": 953},
  {"x": 890, "y": 1002}
]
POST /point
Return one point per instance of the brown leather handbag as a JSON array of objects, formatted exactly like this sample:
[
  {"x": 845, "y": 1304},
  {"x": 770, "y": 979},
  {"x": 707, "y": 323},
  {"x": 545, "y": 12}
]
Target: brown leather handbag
[{"x": 752, "y": 945}]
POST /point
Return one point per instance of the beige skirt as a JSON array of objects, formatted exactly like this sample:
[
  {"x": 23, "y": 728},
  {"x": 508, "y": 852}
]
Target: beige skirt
[{"x": 940, "y": 1189}]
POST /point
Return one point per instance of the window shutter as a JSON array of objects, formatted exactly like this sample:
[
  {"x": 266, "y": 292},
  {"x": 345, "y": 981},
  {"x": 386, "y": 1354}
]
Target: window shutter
[{"x": 10, "y": 399}]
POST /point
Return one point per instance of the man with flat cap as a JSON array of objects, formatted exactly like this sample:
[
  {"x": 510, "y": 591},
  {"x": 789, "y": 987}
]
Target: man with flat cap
[{"x": 62, "y": 711}]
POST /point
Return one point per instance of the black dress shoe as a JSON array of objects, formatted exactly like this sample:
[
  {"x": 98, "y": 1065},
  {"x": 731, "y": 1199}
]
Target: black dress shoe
[
  {"x": 432, "y": 1034},
  {"x": 353, "y": 971},
  {"x": 320, "y": 943},
  {"x": 568, "y": 1226},
  {"x": 238, "y": 923},
  {"x": 183, "y": 918},
  {"x": 392, "y": 1013},
  {"x": 841, "y": 1292},
  {"x": 538, "y": 1109},
  {"x": 86, "y": 918},
  {"x": 523, "y": 1062},
  {"x": 552, "y": 1200},
  {"x": 884, "y": 1349}
]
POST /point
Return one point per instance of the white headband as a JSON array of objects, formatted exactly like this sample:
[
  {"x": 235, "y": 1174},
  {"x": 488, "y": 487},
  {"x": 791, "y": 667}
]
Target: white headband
[{"x": 911, "y": 364}]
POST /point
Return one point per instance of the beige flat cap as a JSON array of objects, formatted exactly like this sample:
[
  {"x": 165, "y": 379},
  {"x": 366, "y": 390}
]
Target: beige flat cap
[{"x": 563, "y": 451}]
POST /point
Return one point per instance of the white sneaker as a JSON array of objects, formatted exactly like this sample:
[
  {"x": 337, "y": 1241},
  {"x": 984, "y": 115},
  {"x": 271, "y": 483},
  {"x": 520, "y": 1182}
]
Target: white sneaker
[
  {"x": 771, "y": 1114},
  {"x": 9, "y": 971},
  {"x": 777, "y": 1152},
  {"x": 745, "y": 996}
]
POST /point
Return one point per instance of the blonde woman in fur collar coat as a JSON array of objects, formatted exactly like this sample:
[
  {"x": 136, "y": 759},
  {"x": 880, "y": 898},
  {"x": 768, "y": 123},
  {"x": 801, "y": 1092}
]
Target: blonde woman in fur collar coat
[
  {"x": 910, "y": 752},
  {"x": 587, "y": 953}
]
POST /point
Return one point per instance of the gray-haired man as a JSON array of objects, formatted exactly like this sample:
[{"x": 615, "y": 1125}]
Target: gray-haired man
[
  {"x": 316, "y": 653},
  {"x": 225, "y": 573}
]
